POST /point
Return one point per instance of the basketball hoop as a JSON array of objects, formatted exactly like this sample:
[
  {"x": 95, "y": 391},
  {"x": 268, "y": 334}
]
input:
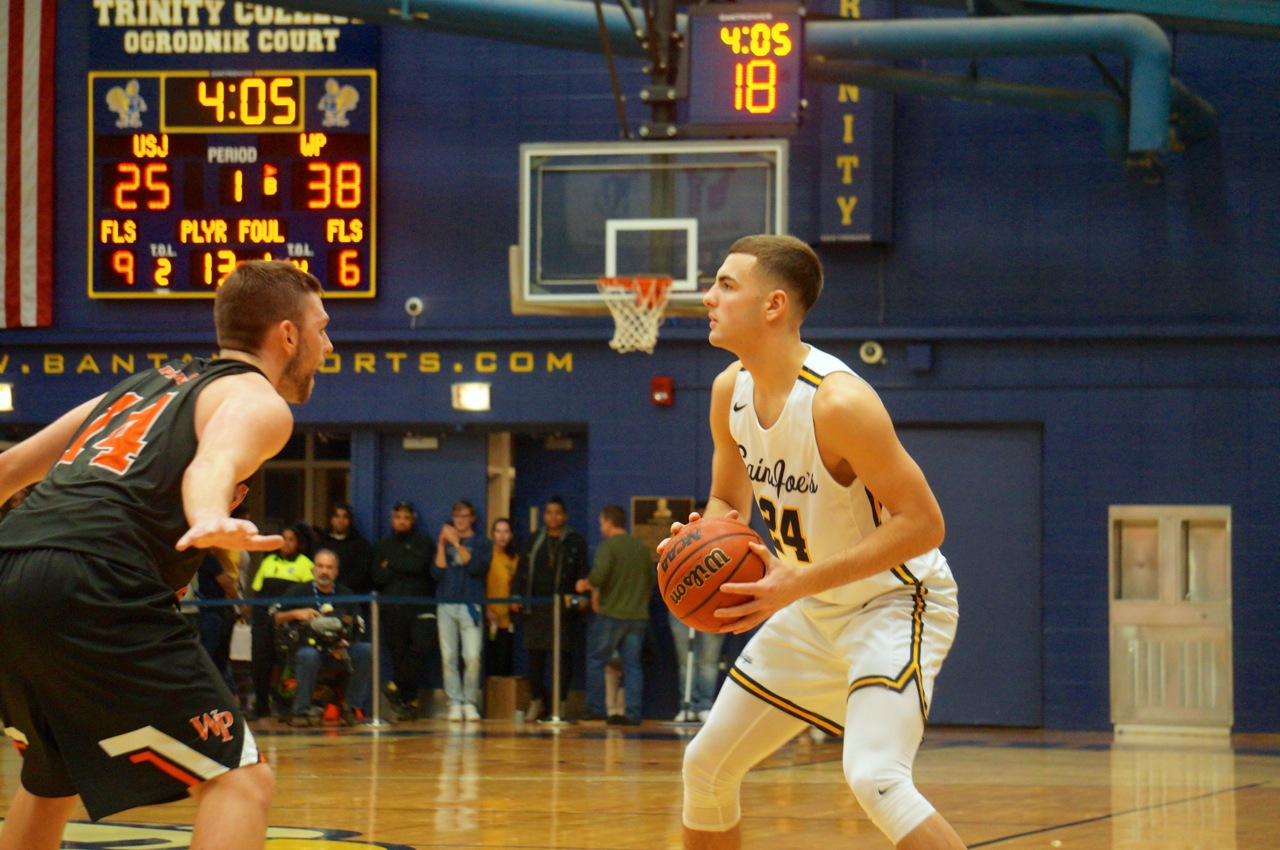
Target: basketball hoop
[{"x": 637, "y": 305}]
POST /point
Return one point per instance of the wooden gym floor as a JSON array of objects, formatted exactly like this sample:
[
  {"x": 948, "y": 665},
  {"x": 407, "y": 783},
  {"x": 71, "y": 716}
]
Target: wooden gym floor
[{"x": 432, "y": 784}]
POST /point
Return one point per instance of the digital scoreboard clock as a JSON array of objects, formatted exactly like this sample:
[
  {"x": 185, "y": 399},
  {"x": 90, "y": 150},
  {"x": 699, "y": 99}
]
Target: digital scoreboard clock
[
  {"x": 744, "y": 66},
  {"x": 193, "y": 172}
]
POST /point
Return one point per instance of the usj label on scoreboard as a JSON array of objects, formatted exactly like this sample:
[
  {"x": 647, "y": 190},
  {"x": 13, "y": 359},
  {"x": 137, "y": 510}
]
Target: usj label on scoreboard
[{"x": 218, "y": 35}]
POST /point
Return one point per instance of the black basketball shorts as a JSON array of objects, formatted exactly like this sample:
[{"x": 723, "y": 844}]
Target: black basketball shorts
[{"x": 104, "y": 688}]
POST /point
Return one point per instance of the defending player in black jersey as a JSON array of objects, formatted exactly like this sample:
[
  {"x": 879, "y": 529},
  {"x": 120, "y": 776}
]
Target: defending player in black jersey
[{"x": 103, "y": 687}]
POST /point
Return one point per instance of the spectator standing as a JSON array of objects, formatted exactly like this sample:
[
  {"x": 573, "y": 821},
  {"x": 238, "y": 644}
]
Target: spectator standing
[
  {"x": 621, "y": 582},
  {"x": 402, "y": 567},
  {"x": 556, "y": 559},
  {"x": 278, "y": 571},
  {"x": 307, "y": 602},
  {"x": 461, "y": 564},
  {"x": 354, "y": 552},
  {"x": 502, "y": 569},
  {"x": 696, "y": 696}
]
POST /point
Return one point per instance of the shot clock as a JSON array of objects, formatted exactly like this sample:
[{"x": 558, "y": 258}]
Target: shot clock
[
  {"x": 744, "y": 65},
  {"x": 193, "y": 172}
]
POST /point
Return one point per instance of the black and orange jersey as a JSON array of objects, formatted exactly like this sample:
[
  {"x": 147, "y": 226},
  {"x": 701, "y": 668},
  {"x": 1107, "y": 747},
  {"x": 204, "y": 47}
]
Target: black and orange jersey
[{"x": 116, "y": 491}]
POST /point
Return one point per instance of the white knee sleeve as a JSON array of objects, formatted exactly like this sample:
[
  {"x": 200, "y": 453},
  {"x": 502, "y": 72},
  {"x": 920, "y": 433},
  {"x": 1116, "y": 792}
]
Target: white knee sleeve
[
  {"x": 882, "y": 733},
  {"x": 741, "y": 731}
]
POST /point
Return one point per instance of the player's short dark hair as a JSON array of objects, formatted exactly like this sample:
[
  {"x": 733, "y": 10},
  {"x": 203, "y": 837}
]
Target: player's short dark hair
[
  {"x": 257, "y": 295},
  {"x": 615, "y": 514},
  {"x": 787, "y": 260}
]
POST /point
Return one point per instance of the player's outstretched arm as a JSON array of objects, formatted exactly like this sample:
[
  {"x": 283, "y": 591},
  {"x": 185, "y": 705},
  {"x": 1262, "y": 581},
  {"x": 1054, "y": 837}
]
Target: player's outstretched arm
[
  {"x": 241, "y": 421},
  {"x": 31, "y": 460}
]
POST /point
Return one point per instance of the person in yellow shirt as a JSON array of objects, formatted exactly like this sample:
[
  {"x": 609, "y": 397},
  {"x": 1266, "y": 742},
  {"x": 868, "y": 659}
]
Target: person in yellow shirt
[
  {"x": 502, "y": 567},
  {"x": 277, "y": 573}
]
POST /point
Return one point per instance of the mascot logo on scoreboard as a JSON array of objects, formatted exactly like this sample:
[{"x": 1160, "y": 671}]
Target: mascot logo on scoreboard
[
  {"x": 127, "y": 104},
  {"x": 336, "y": 102}
]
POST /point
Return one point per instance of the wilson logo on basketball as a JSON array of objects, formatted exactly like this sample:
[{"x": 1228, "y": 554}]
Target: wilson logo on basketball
[
  {"x": 214, "y": 723},
  {"x": 699, "y": 575},
  {"x": 682, "y": 541}
]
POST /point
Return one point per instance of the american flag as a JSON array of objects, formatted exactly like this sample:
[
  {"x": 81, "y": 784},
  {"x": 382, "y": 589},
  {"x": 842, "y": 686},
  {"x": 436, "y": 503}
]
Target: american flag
[{"x": 26, "y": 163}]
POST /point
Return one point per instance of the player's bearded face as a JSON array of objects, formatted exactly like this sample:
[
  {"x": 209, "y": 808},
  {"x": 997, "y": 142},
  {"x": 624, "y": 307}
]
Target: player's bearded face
[{"x": 299, "y": 376}]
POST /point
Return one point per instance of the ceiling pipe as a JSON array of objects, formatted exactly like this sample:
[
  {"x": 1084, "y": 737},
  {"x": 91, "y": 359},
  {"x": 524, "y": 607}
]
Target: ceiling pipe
[
  {"x": 1136, "y": 37},
  {"x": 572, "y": 25},
  {"x": 1107, "y": 108}
]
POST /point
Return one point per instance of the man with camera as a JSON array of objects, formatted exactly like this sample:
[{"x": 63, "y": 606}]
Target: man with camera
[{"x": 325, "y": 632}]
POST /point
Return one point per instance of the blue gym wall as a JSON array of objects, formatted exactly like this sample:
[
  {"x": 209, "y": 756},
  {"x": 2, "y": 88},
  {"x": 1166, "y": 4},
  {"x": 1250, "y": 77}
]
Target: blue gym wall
[{"x": 1132, "y": 326}]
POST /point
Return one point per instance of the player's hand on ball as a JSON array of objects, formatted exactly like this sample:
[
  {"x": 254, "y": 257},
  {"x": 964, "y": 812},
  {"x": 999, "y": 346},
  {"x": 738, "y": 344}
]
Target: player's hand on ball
[
  {"x": 228, "y": 533},
  {"x": 675, "y": 529},
  {"x": 676, "y": 526},
  {"x": 780, "y": 587}
]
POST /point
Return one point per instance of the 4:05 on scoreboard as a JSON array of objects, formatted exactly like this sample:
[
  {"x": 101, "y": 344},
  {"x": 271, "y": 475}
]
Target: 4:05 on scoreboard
[{"x": 194, "y": 172}]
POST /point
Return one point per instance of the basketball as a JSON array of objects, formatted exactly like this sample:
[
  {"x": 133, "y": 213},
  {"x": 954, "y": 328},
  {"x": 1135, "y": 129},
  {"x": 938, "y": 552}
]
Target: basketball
[{"x": 702, "y": 556}]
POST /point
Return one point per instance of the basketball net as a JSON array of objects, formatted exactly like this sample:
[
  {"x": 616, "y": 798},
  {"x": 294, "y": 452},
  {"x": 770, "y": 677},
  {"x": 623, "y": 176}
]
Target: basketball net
[{"x": 637, "y": 305}]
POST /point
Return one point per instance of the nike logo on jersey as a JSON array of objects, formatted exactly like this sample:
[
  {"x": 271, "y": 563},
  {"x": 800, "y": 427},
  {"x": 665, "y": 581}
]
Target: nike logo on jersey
[{"x": 738, "y": 407}]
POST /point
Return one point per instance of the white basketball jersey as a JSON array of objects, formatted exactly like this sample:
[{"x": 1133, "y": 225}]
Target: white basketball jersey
[{"x": 810, "y": 515}]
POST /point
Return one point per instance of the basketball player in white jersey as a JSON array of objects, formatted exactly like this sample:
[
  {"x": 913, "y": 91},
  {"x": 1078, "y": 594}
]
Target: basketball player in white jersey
[{"x": 859, "y": 603}]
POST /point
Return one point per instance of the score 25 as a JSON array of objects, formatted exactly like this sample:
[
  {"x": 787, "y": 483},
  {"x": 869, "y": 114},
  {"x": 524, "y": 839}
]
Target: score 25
[{"x": 134, "y": 180}]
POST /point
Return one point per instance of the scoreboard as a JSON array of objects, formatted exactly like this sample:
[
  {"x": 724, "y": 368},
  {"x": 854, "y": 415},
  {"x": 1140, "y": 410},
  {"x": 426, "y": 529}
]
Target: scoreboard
[
  {"x": 192, "y": 172},
  {"x": 745, "y": 63}
]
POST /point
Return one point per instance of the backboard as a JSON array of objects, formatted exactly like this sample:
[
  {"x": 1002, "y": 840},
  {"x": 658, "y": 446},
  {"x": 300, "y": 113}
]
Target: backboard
[{"x": 602, "y": 209}]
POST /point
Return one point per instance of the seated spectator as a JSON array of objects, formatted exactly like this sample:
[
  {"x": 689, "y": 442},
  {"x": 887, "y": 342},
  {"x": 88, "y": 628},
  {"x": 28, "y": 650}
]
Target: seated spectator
[
  {"x": 326, "y": 634},
  {"x": 278, "y": 572}
]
